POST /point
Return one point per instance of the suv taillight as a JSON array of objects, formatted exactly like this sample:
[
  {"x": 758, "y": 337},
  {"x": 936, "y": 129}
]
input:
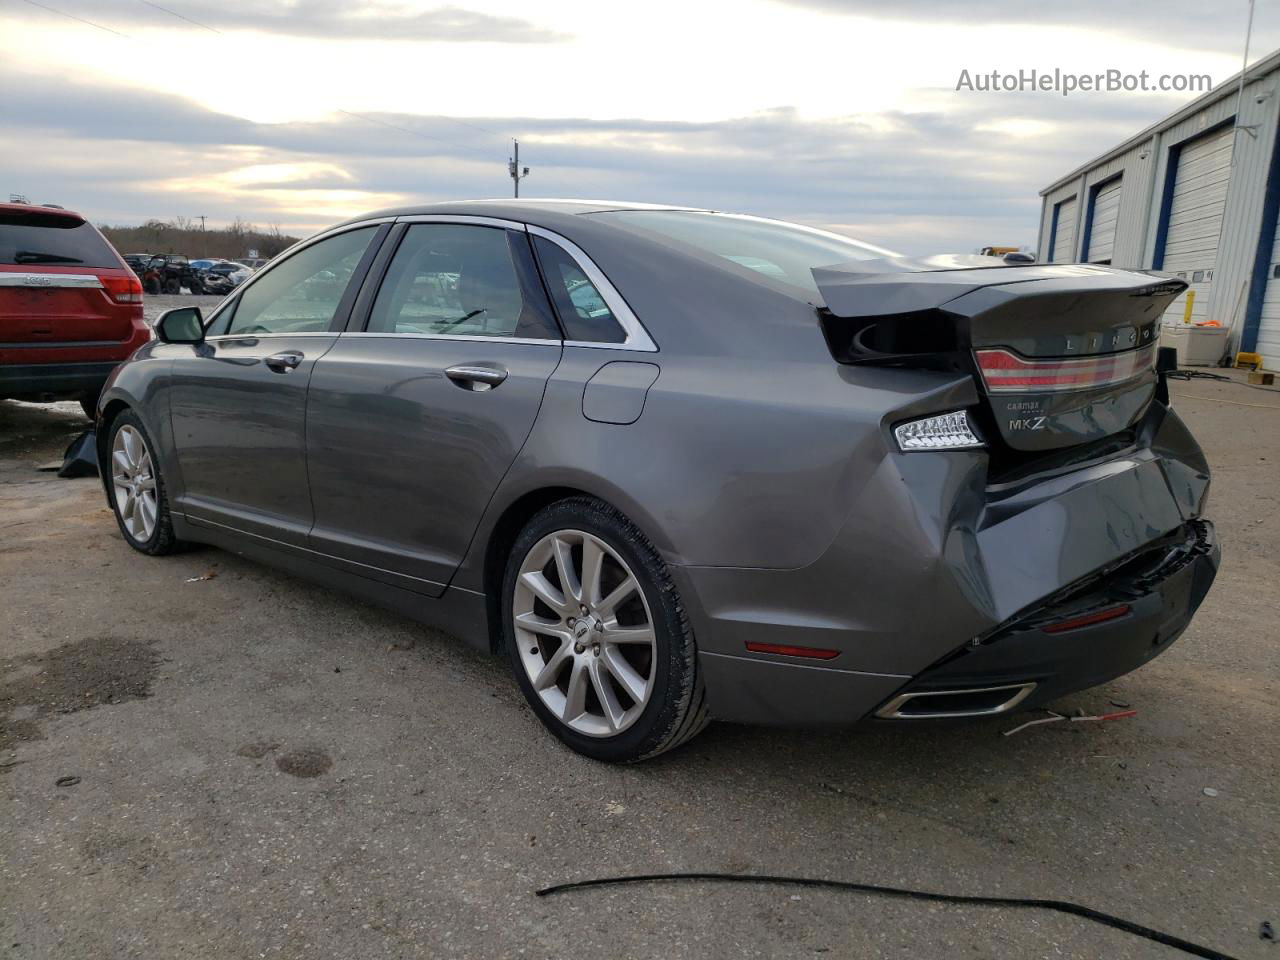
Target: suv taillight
[{"x": 123, "y": 289}]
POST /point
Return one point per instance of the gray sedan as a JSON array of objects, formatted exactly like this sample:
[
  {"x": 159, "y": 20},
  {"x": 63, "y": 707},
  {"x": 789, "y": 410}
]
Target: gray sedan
[{"x": 679, "y": 464}]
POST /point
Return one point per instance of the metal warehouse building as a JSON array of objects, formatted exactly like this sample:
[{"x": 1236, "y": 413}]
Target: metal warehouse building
[{"x": 1195, "y": 195}]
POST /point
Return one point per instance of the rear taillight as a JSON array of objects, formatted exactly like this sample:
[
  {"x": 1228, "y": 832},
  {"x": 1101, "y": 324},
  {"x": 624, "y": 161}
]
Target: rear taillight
[
  {"x": 1088, "y": 619},
  {"x": 1003, "y": 371},
  {"x": 123, "y": 289}
]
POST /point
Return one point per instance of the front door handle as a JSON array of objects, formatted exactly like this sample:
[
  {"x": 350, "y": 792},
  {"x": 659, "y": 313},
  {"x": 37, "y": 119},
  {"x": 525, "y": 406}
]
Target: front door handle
[
  {"x": 475, "y": 377},
  {"x": 283, "y": 362}
]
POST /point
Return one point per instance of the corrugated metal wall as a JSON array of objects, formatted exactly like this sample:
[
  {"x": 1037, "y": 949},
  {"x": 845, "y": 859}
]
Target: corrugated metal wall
[
  {"x": 1100, "y": 240},
  {"x": 1146, "y": 165}
]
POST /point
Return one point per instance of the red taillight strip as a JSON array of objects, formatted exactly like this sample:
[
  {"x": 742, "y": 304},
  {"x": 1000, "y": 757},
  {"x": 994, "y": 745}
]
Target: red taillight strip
[
  {"x": 1005, "y": 372},
  {"x": 786, "y": 650},
  {"x": 1087, "y": 620},
  {"x": 123, "y": 289}
]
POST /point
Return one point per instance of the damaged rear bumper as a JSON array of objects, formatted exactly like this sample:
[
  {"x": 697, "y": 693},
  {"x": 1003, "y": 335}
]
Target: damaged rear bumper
[{"x": 1096, "y": 630}]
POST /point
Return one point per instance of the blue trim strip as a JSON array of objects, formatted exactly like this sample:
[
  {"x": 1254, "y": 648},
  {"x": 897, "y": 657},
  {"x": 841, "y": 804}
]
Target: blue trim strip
[
  {"x": 1088, "y": 214},
  {"x": 1053, "y": 228},
  {"x": 1262, "y": 259},
  {"x": 1170, "y": 179}
]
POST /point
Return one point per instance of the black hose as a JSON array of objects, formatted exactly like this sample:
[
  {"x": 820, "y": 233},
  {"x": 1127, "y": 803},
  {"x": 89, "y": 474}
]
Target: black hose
[{"x": 1061, "y": 906}]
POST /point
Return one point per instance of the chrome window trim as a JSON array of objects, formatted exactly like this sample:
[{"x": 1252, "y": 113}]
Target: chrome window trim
[
  {"x": 637, "y": 337},
  {"x": 49, "y": 281},
  {"x": 462, "y": 218},
  {"x": 468, "y": 338},
  {"x": 269, "y": 336}
]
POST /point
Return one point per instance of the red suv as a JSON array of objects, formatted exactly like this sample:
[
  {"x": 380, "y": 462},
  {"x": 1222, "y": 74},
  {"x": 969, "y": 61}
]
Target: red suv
[{"x": 70, "y": 309}]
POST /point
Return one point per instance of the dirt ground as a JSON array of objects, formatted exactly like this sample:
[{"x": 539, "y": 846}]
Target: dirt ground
[{"x": 246, "y": 765}]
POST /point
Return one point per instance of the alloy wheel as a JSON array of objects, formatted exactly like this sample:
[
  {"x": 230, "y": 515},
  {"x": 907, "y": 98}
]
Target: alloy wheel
[
  {"x": 585, "y": 634},
  {"x": 134, "y": 481}
]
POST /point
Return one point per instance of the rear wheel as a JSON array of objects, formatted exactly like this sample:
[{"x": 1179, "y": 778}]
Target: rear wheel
[
  {"x": 136, "y": 488},
  {"x": 598, "y": 640}
]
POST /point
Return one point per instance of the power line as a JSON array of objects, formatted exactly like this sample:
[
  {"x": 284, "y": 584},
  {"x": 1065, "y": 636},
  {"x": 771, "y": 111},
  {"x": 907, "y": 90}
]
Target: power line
[
  {"x": 175, "y": 13},
  {"x": 411, "y": 132},
  {"x": 72, "y": 16}
]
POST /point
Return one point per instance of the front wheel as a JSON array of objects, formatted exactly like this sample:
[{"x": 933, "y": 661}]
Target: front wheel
[
  {"x": 137, "y": 492},
  {"x": 598, "y": 639}
]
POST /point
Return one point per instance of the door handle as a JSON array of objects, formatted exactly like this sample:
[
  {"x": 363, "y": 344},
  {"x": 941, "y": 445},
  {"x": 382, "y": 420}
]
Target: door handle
[
  {"x": 283, "y": 362},
  {"x": 474, "y": 377}
]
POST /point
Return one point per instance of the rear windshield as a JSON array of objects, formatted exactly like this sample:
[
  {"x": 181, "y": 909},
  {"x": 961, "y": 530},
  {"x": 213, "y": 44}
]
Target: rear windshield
[
  {"x": 781, "y": 251},
  {"x": 37, "y": 238}
]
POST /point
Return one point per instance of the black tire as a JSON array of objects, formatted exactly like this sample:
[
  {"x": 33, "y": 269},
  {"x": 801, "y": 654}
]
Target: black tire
[
  {"x": 173, "y": 286},
  {"x": 162, "y": 540},
  {"x": 676, "y": 710},
  {"x": 151, "y": 286},
  {"x": 196, "y": 288}
]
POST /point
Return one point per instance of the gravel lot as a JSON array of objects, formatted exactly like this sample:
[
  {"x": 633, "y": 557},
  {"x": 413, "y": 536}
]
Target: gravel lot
[{"x": 267, "y": 769}]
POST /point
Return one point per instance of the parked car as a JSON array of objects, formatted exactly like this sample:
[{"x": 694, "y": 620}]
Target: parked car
[
  {"x": 169, "y": 273},
  {"x": 679, "y": 464},
  {"x": 236, "y": 273},
  {"x": 70, "y": 309},
  {"x": 138, "y": 262},
  {"x": 253, "y": 263}
]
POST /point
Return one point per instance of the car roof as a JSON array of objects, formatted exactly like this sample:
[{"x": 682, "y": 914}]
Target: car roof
[
  {"x": 20, "y": 208},
  {"x": 520, "y": 209}
]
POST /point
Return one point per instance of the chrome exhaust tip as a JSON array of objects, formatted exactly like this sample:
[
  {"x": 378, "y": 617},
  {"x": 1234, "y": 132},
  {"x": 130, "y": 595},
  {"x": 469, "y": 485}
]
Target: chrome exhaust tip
[{"x": 941, "y": 704}]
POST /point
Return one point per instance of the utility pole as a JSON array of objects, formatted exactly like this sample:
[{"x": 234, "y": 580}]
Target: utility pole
[
  {"x": 204, "y": 241},
  {"x": 514, "y": 168}
]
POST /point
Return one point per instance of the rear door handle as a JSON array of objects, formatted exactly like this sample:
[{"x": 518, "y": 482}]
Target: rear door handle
[
  {"x": 283, "y": 362},
  {"x": 475, "y": 377}
]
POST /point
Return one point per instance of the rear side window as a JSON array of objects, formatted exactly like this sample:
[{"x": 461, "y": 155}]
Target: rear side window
[
  {"x": 37, "y": 238},
  {"x": 583, "y": 312},
  {"x": 302, "y": 294},
  {"x": 451, "y": 279},
  {"x": 784, "y": 252}
]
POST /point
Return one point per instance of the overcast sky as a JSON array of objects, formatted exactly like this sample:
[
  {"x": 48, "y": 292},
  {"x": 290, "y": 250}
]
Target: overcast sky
[{"x": 841, "y": 113}]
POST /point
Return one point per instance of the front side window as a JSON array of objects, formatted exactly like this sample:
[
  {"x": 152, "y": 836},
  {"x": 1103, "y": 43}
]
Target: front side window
[
  {"x": 302, "y": 294},
  {"x": 583, "y": 312},
  {"x": 449, "y": 279}
]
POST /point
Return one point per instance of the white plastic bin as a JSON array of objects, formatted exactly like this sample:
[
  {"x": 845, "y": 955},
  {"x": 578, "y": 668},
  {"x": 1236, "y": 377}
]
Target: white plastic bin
[{"x": 1196, "y": 346}]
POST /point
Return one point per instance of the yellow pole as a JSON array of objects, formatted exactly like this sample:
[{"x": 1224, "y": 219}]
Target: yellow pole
[{"x": 1191, "y": 301}]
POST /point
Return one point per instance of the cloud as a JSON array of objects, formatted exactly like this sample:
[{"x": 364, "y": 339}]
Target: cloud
[
  {"x": 328, "y": 20},
  {"x": 1189, "y": 23},
  {"x": 960, "y": 173}
]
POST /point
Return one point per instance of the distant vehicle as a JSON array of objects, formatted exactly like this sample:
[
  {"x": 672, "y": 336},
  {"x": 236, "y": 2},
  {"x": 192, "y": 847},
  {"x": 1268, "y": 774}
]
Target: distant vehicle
[
  {"x": 137, "y": 262},
  {"x": 168, "y": 273},
  {"x": 70, "y": 308},
  {"x": 254, "y": 263},
  {"x": 1008, "y": 254},
  {"x": 237, "y": 273}
]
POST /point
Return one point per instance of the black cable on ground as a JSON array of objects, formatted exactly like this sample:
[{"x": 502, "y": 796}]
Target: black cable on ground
[{"x": 1061, "y": 906}]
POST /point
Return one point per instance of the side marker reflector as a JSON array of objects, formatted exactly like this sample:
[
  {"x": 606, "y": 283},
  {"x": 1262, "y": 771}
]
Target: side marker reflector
[
  {"x": 786, "y": 650},
  {"x": 1087, "y": 620}
]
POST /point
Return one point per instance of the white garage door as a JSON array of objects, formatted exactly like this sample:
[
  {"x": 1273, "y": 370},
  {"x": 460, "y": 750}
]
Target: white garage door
[
  {"x": 1195, "y": 218},
  {"x": 1062, "y": 248},
  {"x": 1102, "y": 225},
  {"x": 1269, "y": 328}
]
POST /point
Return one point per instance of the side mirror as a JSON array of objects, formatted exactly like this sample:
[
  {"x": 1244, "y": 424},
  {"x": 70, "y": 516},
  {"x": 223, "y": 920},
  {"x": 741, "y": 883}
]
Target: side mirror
[{"x": 181, "y": 325}]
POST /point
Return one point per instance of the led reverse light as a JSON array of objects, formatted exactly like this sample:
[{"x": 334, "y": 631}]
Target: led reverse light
[{"x": 946, "y": 431}]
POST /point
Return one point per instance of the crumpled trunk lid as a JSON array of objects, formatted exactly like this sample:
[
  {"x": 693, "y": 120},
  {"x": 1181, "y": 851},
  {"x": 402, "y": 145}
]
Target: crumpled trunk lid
[{"x": 1064, "y": 354}]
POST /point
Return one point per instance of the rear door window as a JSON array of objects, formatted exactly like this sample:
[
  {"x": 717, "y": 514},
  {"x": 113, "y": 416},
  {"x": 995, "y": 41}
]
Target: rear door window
[
  {"x": 460, "y": 280},
  {"x": 38, "y": 238}
]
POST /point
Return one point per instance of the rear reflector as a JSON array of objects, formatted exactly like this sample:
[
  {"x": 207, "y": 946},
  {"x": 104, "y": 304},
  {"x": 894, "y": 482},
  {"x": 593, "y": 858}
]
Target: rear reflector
[
  {"x": 1087, "y": 620},
  {"x": 123, "y": 289},
  {"x": 785, "y": 650},
  {"x": 946, "y": 431},
  {"x": 1003, "y": 371}
]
